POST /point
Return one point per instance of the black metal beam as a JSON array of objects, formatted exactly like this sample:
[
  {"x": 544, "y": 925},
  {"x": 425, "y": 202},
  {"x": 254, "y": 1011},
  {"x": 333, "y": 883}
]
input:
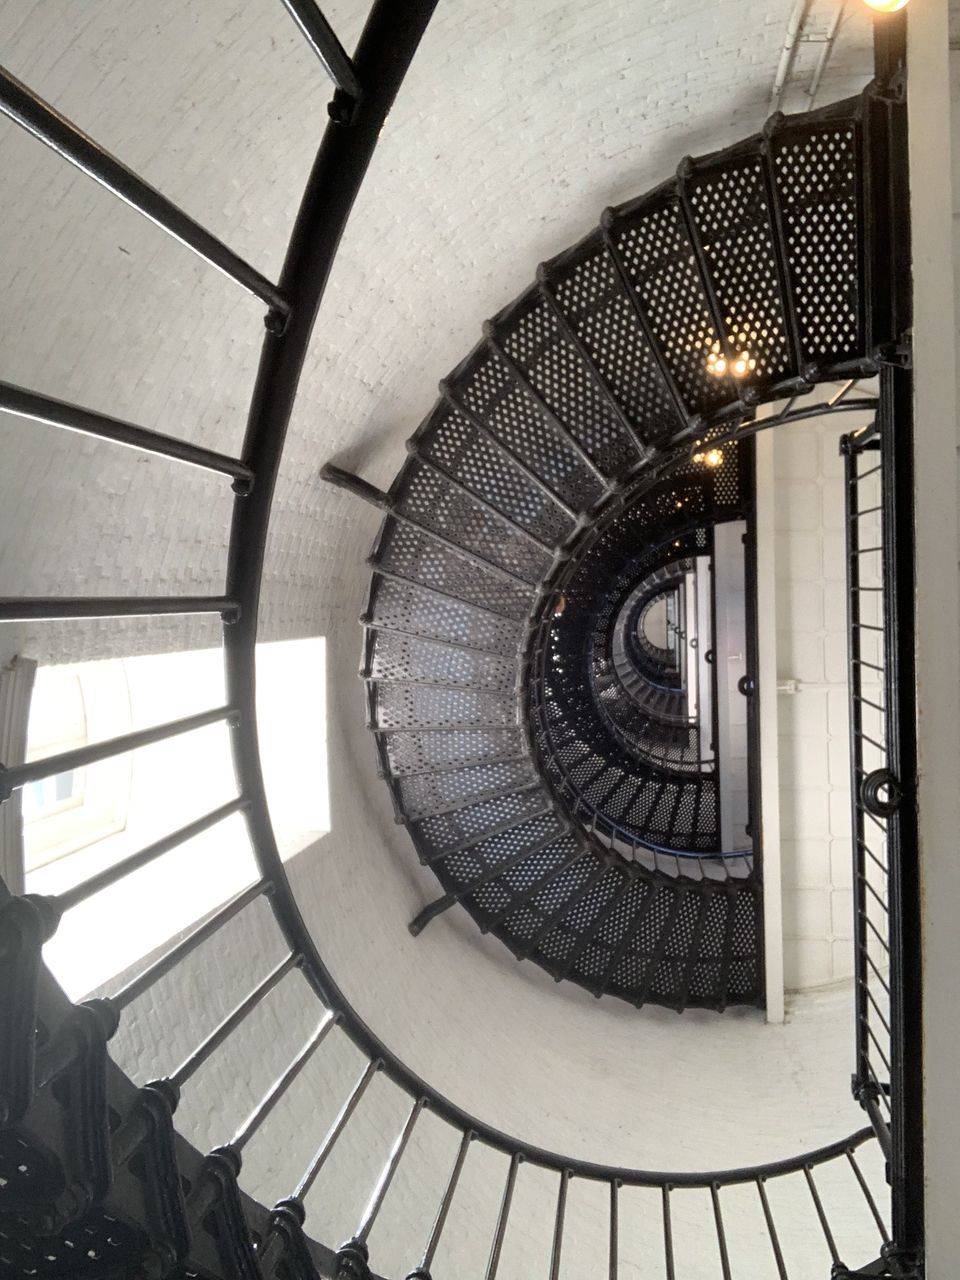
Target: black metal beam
[
  {"x": 49, "y": 608},
  {"x": 323, "y": 40},
  {"x": 15, "y": 776},
  {"x": 59, "y": 413},
  {"x": 61, "y": 135}
]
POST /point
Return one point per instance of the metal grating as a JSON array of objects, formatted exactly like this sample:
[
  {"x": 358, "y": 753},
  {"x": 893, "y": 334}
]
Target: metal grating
[
  {"x": 413, "y": 555},
  {"x": 605, "y": 323},
  {"x": 437, "y": 835},
  {"x": 732, "y": 217},
  {"x": 463, "y": 451},
  {"x": 412, "y": 752},
  {"x": 402, "y": 657},
  {"x": 554, "y": 368},
  {"x": 515, "y": 500},
  {"x": 433, "y": 502},
  {"x": 816, "y": 181},
  {"x": 404, "y": 605},
  {"x": 433, "y": 793},
  {"x": 661, "y": 265},
  {"x": 412, "y": 706},
  {"x": 490, "y": 392}
]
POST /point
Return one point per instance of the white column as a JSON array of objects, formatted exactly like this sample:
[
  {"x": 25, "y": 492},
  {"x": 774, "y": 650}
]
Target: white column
[
  {"x": 769, "y": 730},
  {"x": 933, "y": 71}
]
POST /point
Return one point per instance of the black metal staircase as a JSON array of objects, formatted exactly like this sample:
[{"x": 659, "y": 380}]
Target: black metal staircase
[{"x": 561, "y": 469}]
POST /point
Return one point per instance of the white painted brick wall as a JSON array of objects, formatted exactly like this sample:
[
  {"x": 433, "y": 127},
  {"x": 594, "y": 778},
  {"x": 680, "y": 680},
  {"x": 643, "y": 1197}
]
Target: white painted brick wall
[
  {"x": 813, "y": 720},
  {"x": 519, "y": 122}
]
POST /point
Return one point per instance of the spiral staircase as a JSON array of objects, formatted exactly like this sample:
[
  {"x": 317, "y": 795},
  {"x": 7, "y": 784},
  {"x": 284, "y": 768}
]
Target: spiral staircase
[
  {"x": 560, "y": 800},
  {"x": 535, "y": 744}
]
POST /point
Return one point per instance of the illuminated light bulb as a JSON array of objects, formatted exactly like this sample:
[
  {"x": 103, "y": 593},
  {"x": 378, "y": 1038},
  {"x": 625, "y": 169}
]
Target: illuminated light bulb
[
  {"x": 886, "y": 6},
  {"x": 714, "y": 458},
  {"x": 697, "y": 457}
]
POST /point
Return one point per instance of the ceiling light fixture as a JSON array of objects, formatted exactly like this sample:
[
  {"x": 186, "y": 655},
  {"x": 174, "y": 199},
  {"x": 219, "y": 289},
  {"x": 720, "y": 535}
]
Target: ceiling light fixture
[
  {"x": 739, "y": 365},
  {"x": 712, "y": 458},
  {"x": 886, "y": 6}
]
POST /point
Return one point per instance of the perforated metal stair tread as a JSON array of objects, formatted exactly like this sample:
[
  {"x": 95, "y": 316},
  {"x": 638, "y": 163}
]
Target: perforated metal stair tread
[{"x": 551, "y": 480}]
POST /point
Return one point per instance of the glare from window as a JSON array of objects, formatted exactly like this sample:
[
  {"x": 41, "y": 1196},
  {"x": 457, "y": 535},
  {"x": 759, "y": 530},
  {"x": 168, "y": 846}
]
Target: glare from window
[{"x": 80, "y": 822}]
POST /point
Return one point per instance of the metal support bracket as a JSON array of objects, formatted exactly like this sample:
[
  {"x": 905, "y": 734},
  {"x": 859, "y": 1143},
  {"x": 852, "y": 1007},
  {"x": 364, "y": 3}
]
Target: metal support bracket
[
  {"x": 898, "y": 354},
  {"x": 342, "y": 479}
]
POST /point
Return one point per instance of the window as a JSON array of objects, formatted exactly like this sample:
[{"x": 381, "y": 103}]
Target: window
[{"x": 79, "y": 807}]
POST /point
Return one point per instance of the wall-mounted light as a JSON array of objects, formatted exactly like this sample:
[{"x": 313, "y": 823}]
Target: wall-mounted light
[{"x": 886, "y": 6}]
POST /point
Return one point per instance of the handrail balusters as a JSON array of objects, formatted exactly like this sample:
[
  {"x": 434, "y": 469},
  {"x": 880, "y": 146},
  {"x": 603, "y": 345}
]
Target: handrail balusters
[
  {"x": 557, "y": 1249},
  {"x": 613, "y": 1270},
  {"x": 496, "y": 1248},
  {"x": 772, "y": 1230},
  {"x": 199, "y": 1056},
  {"x": 59, "y": 413},
  {"x": 170, "y": 959},
  {"x": 868, "y": 1196},
  {"x": 422, "y": 1271},
  {"x": 821, "y": 1215},
  {"x": 53, "y": 608},
  {"x": 336, "y": 1128},
  {"x": 668, "y": 1260},
  {"x": 370, "y": 1214},
  {"x": 78, "y": 893},
  {"x": 721, "y": 1233},
  {"x": 16, "y": 776},
  {"x": 283, "y": 1082},
  {"x": 28, "y": 110},
  {"x": 324, "y": 42}
]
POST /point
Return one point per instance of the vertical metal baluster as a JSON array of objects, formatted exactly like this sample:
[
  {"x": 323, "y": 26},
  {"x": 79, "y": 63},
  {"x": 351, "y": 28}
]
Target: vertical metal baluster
[
  {"x": 869, "y": 1197},
  {"x": 199, "y": 1056},
  {"x": 824, "y": 1224},
  {"x": 386, "y": 1177},
  {"x": 280, "y": 1086},
  {"x": 772, "y": 1231},
  {"x": 721, "y": 1234},
  {"x": 667, "y": 1233},
  {"x": 422, "y": 1272},
  {"x": 335, "y": 1130},
  {"x": 497, "y": 1246},
  {"x": 614, "y": 1268},
  {"x": 557, "y": 1250}
]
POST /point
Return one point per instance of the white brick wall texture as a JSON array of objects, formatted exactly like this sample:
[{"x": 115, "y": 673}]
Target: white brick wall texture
[
  {"x": 814, "y": 738},
  {"x": 519, "y": 123}
]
